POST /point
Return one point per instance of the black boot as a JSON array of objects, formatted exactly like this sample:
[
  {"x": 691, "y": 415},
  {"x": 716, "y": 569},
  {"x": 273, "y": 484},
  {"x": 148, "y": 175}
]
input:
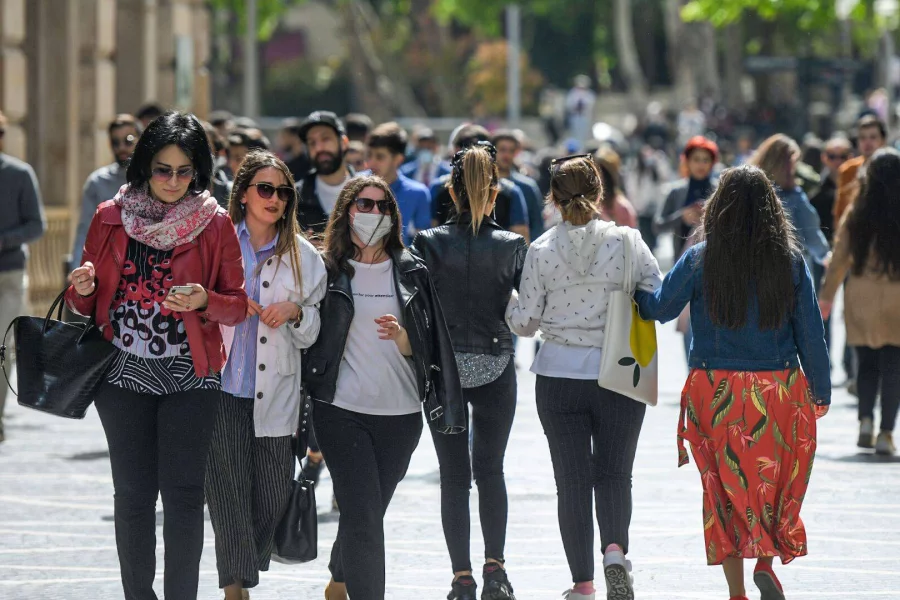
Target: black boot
[
  {"x": 496, "y": 583},
  {"x": 463, "y": 589}
]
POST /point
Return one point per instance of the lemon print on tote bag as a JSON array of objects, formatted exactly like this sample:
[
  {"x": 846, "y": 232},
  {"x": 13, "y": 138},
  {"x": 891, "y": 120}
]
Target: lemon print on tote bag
[
  {"x": 643, "y": 344},
  {"x": 628, "y": 365}
]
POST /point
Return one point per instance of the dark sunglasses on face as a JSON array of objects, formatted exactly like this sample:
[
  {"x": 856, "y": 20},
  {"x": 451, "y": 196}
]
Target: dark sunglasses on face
[
  {"x": 556, "y": 162},
  {"x": 267, "y": 190},
  {"x": 367, "y": 205},
  {"x": 837, "y": 156},
  {"x": 2, "y": 132},
  {"x": 127, "y": 142},
  {"x": 165, "y": 173}
]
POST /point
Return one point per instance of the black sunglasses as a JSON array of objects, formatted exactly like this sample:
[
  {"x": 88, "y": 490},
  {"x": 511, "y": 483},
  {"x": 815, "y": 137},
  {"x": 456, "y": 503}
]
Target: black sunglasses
[
  {"x": 558, "y": 161},
  {"x": 484, "y": 145},
  {"x": 266, "y": 190},
  {"x": 2, "y": 132},
  {"x": 367, "y": 205},
  {"x": 837, "y": 156}
]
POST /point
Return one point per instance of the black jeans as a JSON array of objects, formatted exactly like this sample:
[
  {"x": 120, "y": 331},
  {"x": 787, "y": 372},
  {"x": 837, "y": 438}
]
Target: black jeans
[
  {"x": 879, "y": 369},
  {"x": 158, "y": 445},
  {"x": 593, "y": 435},
  {"x": 493, "y": 409},
  {"x": 367, "y": 457}
]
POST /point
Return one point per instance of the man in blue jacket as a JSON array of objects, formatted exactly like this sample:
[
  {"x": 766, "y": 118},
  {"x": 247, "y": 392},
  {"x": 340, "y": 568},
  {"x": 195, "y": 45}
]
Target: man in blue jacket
[{"x": 508, "y": 147}]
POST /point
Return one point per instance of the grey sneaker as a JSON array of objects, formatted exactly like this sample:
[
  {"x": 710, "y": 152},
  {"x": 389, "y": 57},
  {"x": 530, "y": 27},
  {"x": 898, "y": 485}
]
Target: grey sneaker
[
  {"x": 885, "y": 444},
  {"x": 866, "y": 433},
  {"x": 619, "y": 581},
  {"x": 573, "y": 595}
]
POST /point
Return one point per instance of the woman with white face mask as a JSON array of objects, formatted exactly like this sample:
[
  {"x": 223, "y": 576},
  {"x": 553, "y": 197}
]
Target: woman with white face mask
[{"x": 384, "y": 355}]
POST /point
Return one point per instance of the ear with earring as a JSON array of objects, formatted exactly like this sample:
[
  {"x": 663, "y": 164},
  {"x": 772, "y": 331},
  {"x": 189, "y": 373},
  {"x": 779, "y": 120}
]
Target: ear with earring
[{"x": 243, "y": 206}]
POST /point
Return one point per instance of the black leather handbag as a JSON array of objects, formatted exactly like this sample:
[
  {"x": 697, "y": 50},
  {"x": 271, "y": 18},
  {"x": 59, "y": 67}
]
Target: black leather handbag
[
  {"x": 60, "y": 365},
  {"x": 297, "y": 533}
]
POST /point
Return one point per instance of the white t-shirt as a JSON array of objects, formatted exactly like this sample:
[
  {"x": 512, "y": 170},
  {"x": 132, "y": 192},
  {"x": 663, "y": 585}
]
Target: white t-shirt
[
  {"x": 374, "y": 378},
  {"x": 328, "y": 194}
]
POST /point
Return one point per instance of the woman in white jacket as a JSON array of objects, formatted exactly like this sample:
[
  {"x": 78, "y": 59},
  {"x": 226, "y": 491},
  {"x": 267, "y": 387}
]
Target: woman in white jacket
[
  {"x": 592, "y": 432},
  {"x": 250, "y": 462}
]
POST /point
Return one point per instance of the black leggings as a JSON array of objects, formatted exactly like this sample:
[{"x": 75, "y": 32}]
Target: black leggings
[
  {"x": 367, "y": 457},
  {"x": 158, "y": 445},
  {"x": 593, "y": 435},
  {"x": 879, "y": 368},
  {"x": 493, "y": 409}
]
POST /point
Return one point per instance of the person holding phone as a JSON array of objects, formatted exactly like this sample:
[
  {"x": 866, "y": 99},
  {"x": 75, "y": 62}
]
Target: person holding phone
[
  {"x": 161, "y": 272},
  {"x": 384, "y": 357},
  {"x": 251, "y": 462}
]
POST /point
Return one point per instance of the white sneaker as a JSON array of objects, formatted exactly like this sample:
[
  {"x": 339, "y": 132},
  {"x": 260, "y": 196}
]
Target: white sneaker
[
  {"x": 866, "y": 433},
  {"x": 885, "y": 444},
  {"x": 619, "y": 580},
  {"x": 573, "y": 595}
]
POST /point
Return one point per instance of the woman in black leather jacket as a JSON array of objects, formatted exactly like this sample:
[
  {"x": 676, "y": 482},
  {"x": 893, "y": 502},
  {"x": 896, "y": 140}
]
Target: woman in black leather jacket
[
  {"x": 383, "y": 355},
  {"x": 476, "y": 265}
]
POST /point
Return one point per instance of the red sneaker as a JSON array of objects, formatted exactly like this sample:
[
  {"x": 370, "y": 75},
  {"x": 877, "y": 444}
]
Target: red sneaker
[{"x": 768, "y": 584}]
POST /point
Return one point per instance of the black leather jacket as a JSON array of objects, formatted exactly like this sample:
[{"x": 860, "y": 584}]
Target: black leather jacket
[
  {"x": 435, "y": 365},
  {"x": 474, "y": 277}
]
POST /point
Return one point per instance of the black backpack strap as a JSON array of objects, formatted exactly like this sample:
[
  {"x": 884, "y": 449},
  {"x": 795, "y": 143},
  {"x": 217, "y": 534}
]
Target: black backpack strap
[{"x": 3, "y": 351}]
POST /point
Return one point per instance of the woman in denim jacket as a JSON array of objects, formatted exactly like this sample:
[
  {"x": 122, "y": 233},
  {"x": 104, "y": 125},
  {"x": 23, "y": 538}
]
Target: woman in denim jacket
[{"x": 747, "y": 409}]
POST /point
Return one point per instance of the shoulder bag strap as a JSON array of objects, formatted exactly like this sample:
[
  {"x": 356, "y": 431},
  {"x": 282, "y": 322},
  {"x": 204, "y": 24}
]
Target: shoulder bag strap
[
  {"x": 3, "y": 351},
  {"x": 627, "y": 245}
]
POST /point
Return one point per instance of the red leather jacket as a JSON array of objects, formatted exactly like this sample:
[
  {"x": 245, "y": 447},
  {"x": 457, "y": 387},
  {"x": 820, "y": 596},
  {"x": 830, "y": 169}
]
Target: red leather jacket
[{"x": 213, "y": 260}]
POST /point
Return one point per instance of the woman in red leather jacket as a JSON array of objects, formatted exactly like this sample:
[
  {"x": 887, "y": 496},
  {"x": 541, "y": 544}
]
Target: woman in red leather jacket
[{"x": 162, "y": 233}]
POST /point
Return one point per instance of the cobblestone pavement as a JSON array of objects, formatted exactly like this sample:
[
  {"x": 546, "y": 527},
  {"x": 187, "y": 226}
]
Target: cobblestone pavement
[{"x": 56, "y": 533}]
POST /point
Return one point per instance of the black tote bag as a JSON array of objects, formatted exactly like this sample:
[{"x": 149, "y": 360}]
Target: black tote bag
[
  {"x": 297, "y": 533},
  {"x": 60, "y": 365}
]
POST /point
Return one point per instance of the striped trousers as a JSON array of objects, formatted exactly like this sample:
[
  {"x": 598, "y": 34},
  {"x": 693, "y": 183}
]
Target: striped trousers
[
  {"x": 593, "y": 436},
  {"x": 247, "y": 487}
]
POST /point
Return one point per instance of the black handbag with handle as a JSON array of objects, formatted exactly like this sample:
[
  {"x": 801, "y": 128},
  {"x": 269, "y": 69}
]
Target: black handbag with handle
[
  {"x": 59, "y": 365},
  {"x": 297, "y": 533}
]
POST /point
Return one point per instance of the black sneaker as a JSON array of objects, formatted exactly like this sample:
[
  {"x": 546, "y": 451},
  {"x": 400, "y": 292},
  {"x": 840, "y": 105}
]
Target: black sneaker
[
  {"x": 496, "y": 583},
  {"x": 463, "y": 589},
  {"x": 312, "y": 470}
]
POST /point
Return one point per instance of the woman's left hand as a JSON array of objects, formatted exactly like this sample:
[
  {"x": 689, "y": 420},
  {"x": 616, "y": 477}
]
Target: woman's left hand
[
  {"x": 821, "y": 410},
  {"x": 276, "y": 315},
  {"x": 197, "y": 300}
]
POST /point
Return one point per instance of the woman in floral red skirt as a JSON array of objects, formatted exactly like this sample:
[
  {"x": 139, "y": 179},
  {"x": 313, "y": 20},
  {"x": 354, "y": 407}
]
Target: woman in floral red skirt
[{"x": 748, "y": 410}]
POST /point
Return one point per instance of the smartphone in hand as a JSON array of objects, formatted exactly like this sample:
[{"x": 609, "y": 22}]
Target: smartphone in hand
[{"x": 183, "y": 290}]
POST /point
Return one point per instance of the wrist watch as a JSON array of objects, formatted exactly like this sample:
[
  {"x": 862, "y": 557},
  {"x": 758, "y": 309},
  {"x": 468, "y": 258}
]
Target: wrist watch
[{"x": 296, "y": 322}]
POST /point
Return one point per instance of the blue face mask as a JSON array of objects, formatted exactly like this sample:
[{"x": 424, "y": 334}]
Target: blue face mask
[{"x": 425, "y": 157}]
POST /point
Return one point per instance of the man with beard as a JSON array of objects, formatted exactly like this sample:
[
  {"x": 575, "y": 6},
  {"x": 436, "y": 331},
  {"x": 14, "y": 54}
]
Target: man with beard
[
  {"x": 326, "y": 143},
  {"x": 104, "y": 183},
  {"x": 509, "y": 146}
]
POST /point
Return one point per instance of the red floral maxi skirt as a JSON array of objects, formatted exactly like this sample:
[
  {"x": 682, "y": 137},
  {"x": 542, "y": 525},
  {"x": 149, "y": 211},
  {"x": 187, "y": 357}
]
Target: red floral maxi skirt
[{"x": 753, "y": 437}]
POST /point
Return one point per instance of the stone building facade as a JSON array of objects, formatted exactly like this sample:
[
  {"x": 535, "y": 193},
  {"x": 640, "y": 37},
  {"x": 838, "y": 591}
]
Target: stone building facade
[{"x": 67, "y": 67}]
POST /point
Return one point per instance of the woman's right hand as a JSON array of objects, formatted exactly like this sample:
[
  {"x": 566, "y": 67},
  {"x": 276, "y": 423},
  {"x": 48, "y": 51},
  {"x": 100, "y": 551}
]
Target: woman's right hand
[{"x": 84, "y": 279}]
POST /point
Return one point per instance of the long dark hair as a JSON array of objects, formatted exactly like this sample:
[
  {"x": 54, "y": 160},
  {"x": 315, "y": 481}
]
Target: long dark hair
[
  {"x": 874, "y": 222},
  {"x": 181, "y": 129},
  {"x": 288, "y": 228},
  {"x": 339, "y": 246},
  {"x": 750, "y": 251}
]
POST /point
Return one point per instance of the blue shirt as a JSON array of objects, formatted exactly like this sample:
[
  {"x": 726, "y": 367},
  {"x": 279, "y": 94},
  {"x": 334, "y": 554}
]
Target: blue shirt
[
  {"x": 239, "y": 375},
  {"x": 799, "y": 341},
  {"x": 518, "y": 211},
  {"x": 533, "y": 202},
  {"x": 805, "y": 219},
  {"x": 414, "y": 201}
]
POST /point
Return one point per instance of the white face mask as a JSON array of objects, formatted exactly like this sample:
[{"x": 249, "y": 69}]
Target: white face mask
[{"x": 371, "y": 228}]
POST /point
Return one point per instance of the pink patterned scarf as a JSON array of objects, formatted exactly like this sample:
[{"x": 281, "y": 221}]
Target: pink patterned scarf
[{"x": 164, "y": 226}]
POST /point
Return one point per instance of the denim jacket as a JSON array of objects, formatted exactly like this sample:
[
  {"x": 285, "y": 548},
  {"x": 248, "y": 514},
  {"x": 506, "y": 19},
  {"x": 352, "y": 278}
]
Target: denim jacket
[
  {"x": 799, "y": 341},
  {"x": 805, "y": 219}
]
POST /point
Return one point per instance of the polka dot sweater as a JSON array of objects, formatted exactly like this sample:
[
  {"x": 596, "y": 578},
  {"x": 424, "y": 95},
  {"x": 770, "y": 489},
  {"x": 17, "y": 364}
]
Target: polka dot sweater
[{"x": 568, "y": 275}]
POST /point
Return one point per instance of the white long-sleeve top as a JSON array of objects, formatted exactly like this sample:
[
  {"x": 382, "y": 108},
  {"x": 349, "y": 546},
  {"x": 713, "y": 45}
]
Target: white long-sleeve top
[{"x": 568, "y": 274}]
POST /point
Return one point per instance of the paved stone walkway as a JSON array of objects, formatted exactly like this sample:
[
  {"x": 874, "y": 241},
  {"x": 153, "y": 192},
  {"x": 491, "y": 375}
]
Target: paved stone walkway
[{"x": 57, "y": 540}]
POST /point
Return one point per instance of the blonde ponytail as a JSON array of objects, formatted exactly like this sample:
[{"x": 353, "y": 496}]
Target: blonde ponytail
[{"x": 474, "y": 180}]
